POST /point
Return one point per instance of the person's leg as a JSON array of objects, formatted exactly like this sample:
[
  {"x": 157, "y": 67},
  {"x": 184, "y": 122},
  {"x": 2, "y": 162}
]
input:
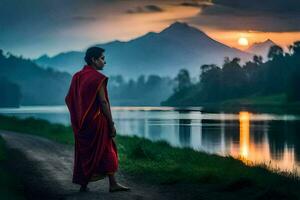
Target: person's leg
[
  {"x": 84, "y": 188},
  {"x": 114, "y": 186},
  {"x": 112, "y": 180}
]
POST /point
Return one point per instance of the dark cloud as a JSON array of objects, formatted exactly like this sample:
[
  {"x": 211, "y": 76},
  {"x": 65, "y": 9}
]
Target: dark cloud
[
  {"x": 153, "y": 8},
  {"x": 255, "y": 15},
  {"x": 262, "y": 5},
  {"x": 145, "y": 9},
  {"x": 198, "y": 4},
  {"x": 33, "y": 27},
  {"x": 37, "y": 25}
]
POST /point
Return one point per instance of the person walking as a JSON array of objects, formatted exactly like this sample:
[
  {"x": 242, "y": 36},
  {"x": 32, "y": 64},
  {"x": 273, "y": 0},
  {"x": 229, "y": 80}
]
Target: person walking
[{"x": 96, "y": 154}]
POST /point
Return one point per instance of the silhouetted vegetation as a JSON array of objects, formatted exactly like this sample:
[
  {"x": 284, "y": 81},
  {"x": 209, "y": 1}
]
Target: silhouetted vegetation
[
  {"x": 149, "y": 91},
  {"x": 10, "y": 95},
  {"x": 279, "y": 75},
  {"x": 38, "y": 86}
]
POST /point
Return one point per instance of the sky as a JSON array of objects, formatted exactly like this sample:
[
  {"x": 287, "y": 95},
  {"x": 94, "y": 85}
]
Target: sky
[{"x": 31, "y": 28}]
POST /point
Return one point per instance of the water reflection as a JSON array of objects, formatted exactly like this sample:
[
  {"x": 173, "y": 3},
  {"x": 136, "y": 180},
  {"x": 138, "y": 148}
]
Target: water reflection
[
  {"x": 254, "y": 138},
  {"x": 257, "y": 145},
  {"x": 244, "y": 134}
]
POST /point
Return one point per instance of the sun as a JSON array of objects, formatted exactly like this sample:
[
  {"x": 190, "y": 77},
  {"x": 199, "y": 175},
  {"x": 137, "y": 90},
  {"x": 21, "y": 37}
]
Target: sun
[{"x": 243, "y": 41}]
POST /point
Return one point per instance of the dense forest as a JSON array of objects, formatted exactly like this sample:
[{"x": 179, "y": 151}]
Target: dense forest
[{"x": 279, "y": 75}]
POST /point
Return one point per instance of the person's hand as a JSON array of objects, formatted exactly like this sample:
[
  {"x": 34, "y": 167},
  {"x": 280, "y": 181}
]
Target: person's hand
[{"x": 113, "y": 131}]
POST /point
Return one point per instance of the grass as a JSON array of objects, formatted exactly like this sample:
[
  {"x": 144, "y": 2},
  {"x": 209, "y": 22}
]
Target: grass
[
  {"x": 159, "y": 163},
  {"x": 39, "y": 127},
  {"x": 10, "y": 185}
]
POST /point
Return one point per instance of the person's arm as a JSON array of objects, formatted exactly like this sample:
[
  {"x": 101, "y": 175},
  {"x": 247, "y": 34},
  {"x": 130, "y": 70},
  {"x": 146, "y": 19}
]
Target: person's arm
[{"x": 106, "y": 111}]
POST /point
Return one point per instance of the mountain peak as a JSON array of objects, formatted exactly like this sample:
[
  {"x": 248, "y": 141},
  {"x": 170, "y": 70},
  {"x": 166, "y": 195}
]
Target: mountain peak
[
  {"x": 269, "y": 41},
  {"x": 266, "y": 42},
  {"x": 261, "y": 48},
  {"x": 43, "y": 57},
  {"x": 178, "y": 24},
  {"x": 181, "y": 27}
]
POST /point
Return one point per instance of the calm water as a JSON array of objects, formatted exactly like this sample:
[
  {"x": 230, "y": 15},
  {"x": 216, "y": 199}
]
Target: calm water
[{"x": 258, "y": 138}]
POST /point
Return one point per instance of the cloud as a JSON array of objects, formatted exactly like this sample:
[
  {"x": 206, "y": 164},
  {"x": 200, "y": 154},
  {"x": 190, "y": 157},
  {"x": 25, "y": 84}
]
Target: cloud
[
  {"x": 254, "y": 15},
  {"x": 43, "y": 26},
  {"x": 265, "y": 5},
  {"x": 145, "y": 9},
  {"x": 84, "y": 18},
  {"x": 198, "y": 4}
]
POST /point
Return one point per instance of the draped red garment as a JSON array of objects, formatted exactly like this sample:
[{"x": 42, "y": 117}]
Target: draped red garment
[{"x": 95, "y": 151}]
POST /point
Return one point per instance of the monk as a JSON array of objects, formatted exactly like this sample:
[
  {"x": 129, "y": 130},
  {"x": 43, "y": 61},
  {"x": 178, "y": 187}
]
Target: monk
[{"x": 96, "y": 154}]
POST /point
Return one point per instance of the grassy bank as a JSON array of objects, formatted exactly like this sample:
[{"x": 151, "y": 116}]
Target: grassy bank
[
  {"x": 159, "y": 163},
  {"x": 10, "y": 185}
]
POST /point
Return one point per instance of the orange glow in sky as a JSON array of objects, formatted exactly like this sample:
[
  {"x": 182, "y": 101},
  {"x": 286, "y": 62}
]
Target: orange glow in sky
[
  {"x": 130, "y": 26},
  {"x": 230, "y": 38}
]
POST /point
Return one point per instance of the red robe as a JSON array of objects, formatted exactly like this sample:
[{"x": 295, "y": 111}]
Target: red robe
[{"x": 95, "y": 151}]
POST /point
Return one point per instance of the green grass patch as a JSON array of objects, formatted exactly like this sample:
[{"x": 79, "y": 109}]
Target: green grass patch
[
  {"x": 39, "y": 127},
  {"x": 160, "y": 163}
]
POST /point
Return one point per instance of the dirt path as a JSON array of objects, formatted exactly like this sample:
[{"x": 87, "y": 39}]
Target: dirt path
[{"x": 46, "y": 170}]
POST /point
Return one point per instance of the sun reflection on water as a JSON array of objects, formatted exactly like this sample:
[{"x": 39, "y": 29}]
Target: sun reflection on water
[{"x": 253, "y": 153}]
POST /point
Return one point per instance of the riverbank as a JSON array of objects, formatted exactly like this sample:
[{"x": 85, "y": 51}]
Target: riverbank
[
  {"x": 276, "y": 104},
  {"x": 159, "y": 164}
]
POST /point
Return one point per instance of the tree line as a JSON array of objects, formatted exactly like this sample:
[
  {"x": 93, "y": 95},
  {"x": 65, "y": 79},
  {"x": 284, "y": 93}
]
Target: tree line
[
  {"x": 23, "y": 82},
  {"x": 280, "y": 74},
  {"x": 144, "y": 91}
]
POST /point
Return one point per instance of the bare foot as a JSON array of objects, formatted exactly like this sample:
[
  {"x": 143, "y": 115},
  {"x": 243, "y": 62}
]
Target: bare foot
[
  {"x": 84, "y": 189},
  {"x": 118, "y": 187}
]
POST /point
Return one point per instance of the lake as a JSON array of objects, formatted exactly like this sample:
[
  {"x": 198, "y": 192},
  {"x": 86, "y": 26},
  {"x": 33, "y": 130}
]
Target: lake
[{"x": 273, "y": 139}]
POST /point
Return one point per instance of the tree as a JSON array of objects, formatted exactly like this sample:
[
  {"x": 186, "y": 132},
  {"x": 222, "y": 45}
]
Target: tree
[
  {"x": 210, "y": 83},
  {"x": 234, "y": 80},
  {"x": 258, "y": 60},
  {"x": 295, "y": 48},
  {"x": 275, "y": 52},
  {"x": 183, "y": 80}
]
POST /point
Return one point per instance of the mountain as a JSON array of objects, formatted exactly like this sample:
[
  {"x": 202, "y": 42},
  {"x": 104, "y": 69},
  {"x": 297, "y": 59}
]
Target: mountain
[
  {"x": 165, "y": 53},
  {"x": 63, "y": 61},
  {"x": 261, "y": 48},
  {"x": 37, "y": 86}
]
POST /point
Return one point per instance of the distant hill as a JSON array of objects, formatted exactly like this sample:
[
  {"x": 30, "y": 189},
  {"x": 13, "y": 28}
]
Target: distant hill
[
  {"x": 23, "y": 82},
  {"x": 164, "y": 53},
  {"x": 38, "y": 86},
  {"x": 261, "y": 48},
  {"x": 10, "y": 94}
]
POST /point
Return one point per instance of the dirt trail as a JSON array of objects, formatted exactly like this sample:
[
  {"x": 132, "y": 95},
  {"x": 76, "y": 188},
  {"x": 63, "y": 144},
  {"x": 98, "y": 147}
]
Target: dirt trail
[{"x": 46, "y": 170}]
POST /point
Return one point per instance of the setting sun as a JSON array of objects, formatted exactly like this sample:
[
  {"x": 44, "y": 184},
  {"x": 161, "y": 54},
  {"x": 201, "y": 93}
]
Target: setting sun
[{"x": 243, "y": 41}]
